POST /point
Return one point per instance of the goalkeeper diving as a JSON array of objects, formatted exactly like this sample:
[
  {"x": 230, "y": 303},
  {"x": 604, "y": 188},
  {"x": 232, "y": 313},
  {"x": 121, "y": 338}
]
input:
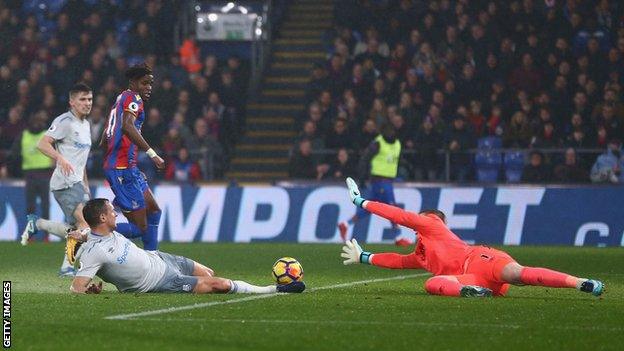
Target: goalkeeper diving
[{"x": 458, "y": 269}]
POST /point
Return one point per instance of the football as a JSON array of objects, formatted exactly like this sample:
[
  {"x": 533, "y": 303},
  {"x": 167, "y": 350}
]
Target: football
[{"x": 287, "y": 270}]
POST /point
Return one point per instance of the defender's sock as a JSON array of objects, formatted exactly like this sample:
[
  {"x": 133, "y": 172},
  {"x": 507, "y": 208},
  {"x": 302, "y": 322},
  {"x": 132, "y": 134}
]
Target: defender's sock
[
  {"x": 443, "y": 286},
  {"x": 547, "y": 277},
  {"x": 129, "y": 230},
  {"x": 241, "y": 287},
  {"x": 56, "y": 228},
  {"x": 150, "y": 238}
]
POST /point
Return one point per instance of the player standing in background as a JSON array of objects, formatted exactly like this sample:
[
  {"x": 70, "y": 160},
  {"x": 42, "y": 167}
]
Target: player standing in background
[
  {"x": 459, "y": 269},
  {"x": 117, "y": 260},
  {"x": 382, "y": 158},
  {"x": 122, "y": 140},
  {"x": 68, "y": 138}
]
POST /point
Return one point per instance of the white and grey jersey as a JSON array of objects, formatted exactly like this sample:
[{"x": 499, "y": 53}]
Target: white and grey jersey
[
  {"x": 72, "y": 138},
  {"x": 120, "y": 262}
]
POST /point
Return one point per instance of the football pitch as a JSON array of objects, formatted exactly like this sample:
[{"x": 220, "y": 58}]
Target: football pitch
[{"x": 344, "y": 307}]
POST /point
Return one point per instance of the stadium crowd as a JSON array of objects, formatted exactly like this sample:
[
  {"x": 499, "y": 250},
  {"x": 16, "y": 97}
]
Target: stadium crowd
[
  {"x": 46, "y": 46},
  {"x": 456, "y": 75}
]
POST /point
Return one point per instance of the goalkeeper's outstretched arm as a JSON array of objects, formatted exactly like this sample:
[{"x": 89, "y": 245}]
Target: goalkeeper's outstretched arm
[
  {"x": 392, "y": 213},
  {"x": 352, "y": 253}
]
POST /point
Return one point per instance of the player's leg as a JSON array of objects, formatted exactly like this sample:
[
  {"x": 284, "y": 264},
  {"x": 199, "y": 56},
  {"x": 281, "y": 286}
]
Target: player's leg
[
  {"x": 32, "y": 218},
  {"x": 514, "y": 273},
  {"x": 153, "y": 213},
  {"x": 466, "y": 285},
  {"x": 70, "y": 200},
  {"x": 128, "y": 186},
  {"x": 43, "y": 189}
]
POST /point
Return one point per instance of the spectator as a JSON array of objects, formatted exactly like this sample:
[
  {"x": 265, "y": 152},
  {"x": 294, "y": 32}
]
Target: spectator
[
  {"x": 319, "y": 82},
  {"x": 458, "y": 141},
  {"x": 476, "y": 118},
  {"x": 526, "y": 77},
  {"x": 189, "y": 55},
  {"x": 301, "y": 164},
  {"x": 310, "y": 132},
  {"x": 339, "y": 136},
  {"x": 153, "y": 129},
  {"x": 518, "y": 133},
  {"x": 206, "y": 150},
  {"x": 536, "y": 171},
  {"x": 494, "y": 124},
  {"x": 608, "y": 167},
  {"x": 164, "y": 97},
  {"x": 368, "y": 134},
  {"x": 97, "y": 122},
  {"x": 341, "y": 167},
  {"x": 12, "y": 127},
  {"x": 427, "y": 142},
  {"x": 182, "y": 168},
  {"x": 570, "y": 171}
]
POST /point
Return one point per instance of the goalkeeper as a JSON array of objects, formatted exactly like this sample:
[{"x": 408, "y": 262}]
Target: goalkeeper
[
  {"x": 117, "y": 260},
  {"x": 459, "y": 269}
]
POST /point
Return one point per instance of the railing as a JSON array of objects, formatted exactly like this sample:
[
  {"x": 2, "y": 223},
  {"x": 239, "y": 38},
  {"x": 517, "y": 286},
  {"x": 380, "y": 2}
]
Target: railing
[
  {"x": 261, "y": 44},
  {"x": 212, "y": 164},
  {"x": 444, "y": 158}
]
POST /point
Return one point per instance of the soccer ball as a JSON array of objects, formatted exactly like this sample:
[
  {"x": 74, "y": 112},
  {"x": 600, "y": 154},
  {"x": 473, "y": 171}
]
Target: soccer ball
[{"x": 287, "y": 270}]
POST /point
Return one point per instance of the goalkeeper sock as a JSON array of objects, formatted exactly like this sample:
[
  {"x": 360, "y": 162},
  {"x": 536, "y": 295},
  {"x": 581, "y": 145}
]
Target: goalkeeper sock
[
  {"x": 150, "y": 238},
  {"x": 56, "y": 228},
  {"x": 241, "y": 287},
  {"x": 547, "y": 277},
  {"x": 129, "y": 230},
  {"x": 441, "y": 285}
]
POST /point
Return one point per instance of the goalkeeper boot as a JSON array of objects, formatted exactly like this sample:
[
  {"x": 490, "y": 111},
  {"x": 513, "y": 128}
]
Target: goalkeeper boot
[
  {"x": 294, "y": 287},
  {"x": 475, "y": 291},
  {"x": 31, "y": 228},
  {"x": 595, "y": 287}
]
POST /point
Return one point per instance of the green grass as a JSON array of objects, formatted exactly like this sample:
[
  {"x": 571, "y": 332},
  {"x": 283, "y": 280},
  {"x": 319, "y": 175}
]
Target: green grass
[{"x": 388, "y": 315}]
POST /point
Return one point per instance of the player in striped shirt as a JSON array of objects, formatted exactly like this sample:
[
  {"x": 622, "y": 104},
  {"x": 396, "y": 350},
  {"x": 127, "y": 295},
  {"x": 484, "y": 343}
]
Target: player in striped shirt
[{"x": 122, "y": 140}]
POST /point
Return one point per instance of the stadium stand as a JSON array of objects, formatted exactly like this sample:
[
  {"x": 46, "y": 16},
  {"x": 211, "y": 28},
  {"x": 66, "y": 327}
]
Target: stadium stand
[{"x": 539, "y": 75}]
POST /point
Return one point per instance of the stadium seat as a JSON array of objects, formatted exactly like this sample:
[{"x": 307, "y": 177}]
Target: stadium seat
[
  {"x": 514, "y": 163},
  {"x": 491, "y": 142},
  {"x": 487, "y": 164}
]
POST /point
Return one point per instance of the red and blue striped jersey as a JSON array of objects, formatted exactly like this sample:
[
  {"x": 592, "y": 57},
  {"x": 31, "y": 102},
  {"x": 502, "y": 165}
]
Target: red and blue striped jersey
[{"x": 121, "y": 153}]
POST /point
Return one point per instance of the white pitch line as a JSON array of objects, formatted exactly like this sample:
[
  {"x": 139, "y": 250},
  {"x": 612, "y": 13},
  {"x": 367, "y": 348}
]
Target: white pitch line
[
  {"x": 253, "y": 297},
  {"x": 378, "y": 323}
]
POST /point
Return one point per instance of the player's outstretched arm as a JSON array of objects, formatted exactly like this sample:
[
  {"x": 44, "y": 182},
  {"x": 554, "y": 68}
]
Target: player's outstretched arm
[
  {"x": 352, "y": 253},
  {"x": 131, "y": 132},
  {"x": 392, "y": 213}
]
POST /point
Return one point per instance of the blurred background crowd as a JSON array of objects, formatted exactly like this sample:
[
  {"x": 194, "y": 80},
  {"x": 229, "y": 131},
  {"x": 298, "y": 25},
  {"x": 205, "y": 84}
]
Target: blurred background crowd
[
  {"x": 456, "y": 76},
  {"x": 463, "y": 83}
]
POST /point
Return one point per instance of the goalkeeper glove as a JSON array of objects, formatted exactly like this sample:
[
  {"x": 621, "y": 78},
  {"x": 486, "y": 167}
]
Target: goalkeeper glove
[
  {"x": 352, "y": 252},
  {"x": 354, "y": 192}
]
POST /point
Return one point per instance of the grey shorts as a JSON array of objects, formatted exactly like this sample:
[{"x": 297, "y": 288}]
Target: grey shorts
[
  {"x": 69, "y": 199},
  {"x": 178, "y": 275}
]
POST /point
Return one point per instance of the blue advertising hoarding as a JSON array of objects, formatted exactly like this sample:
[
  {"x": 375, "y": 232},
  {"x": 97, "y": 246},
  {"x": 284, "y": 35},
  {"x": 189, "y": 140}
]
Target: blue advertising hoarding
[{"x": 510, "y": 215}]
